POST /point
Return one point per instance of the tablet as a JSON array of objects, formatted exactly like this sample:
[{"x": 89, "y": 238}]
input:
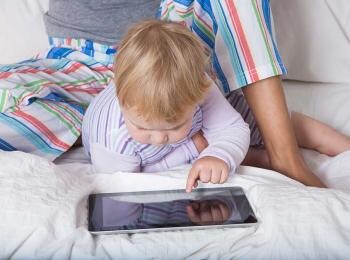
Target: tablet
[{"x": 135, "y": 212}]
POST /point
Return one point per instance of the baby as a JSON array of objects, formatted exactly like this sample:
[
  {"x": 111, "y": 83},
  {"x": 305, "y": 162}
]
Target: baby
[{"x": 164, "y": 111}]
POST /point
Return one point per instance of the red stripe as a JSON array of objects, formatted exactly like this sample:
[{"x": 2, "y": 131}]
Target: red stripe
[
  {"x": 83, "y": 86},
  {"x": 74, "y": 67},
  {"x": 48, "y": 71},
  {"x": 242, "y": 40},
  {"x": 4, "y": 75},
  {"x": 64, "y": 106},
  {"x": 31, "y": 94},
  {"x": 33, "y": 71},
  {"x": 185, "y": 12},
  {"x": 43, "y": 129},
  {"x": 167, "y": 7},
  {"x": 204, "y": 22},
  {"x": 102, "y": 68},
  {"x": 68, "y": 87},
  {"x": 34, "y": 93},
  {"x": 87, "y": 90}
]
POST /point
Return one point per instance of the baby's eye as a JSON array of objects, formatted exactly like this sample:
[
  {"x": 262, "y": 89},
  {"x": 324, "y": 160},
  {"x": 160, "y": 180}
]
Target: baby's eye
[
  {"x": 176, "y": 130},
  {"x": 140, "y": 128}
]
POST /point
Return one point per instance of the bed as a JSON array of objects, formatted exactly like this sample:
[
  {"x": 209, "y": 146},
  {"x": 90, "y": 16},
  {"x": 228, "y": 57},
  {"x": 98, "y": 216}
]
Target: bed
[{"x": 44, "y": 210}]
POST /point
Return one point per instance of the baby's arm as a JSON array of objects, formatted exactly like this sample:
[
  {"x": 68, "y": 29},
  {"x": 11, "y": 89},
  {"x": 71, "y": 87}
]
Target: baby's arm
[
  {"x": 181, "y": 155},
  {"x": 228, "y": 137},
  {"x": 102, "y": 121},
  {"x": 227, "y": 134},
  {"x": 107, "y": 161}
]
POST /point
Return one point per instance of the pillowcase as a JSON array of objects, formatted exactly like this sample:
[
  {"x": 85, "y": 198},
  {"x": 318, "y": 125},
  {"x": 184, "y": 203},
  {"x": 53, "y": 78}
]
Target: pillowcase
[
  {"x": 22, "y": 29},
  {"x": 314, "y": 39}
]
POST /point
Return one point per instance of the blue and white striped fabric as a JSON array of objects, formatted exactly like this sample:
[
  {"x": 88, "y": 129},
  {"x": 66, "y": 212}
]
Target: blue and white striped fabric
[
  {"x": 42, "y": 100},
  {"x": 237, "y": 34}
]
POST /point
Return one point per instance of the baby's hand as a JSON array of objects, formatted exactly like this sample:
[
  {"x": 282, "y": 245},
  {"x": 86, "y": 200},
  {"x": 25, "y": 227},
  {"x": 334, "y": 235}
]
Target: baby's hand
[
  {"x": 207, "y": 169},
  {"x": 208, "y": 212}
]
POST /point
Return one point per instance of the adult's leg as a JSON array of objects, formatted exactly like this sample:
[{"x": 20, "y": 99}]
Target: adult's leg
[
  {"x": 237, "y": 63},
  {"x": 267, "y": 101},
  {"x": 43, "y": 99},
  {"x": 257, "y": 157},
  {"x": 313, "y": 134}
]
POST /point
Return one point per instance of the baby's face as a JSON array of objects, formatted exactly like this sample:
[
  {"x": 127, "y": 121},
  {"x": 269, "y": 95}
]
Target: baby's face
[{"x": 157, "y": 133}]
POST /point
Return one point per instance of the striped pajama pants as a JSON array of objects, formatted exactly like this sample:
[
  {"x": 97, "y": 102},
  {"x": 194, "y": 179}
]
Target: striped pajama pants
[{"x": 42, "y": 100}]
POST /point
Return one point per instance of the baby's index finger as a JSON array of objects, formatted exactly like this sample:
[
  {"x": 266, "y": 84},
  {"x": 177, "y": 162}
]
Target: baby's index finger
[{"x": 191, "y": 179}]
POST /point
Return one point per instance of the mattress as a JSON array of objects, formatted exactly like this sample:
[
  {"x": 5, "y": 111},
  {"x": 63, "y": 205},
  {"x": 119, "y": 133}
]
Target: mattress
[{"x": 44, "y": 210}]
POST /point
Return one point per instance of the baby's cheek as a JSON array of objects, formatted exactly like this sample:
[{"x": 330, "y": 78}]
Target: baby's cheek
[
  {"x": 179, "y": 136},
  {"x": 140, "y": 136}
]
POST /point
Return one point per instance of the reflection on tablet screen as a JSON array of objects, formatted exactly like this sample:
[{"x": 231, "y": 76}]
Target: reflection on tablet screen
[{"x": 164, "y": 209}]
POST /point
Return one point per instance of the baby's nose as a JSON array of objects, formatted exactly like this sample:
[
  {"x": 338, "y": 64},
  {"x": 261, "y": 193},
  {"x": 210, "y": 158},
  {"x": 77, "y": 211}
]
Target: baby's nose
[{"x": 160, "y": 139}]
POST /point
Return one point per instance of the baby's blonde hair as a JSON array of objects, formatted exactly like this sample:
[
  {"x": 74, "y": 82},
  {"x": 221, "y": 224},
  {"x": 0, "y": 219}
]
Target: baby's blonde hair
[{"x": 160, "y": 70}]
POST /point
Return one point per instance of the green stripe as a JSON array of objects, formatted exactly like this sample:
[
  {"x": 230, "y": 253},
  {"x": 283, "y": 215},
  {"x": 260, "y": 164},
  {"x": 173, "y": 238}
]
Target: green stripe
[
  {"x": 37, "y": 83},
  {"x": 204, "y": 29},
  {"x": 87, "y": 80},
  {"x": 186, "y": 15},
  {"x": 75, "y": 118},
  {"x": 4, "y": 96},
  {"x": 71, "y": 127},
  {"x": 166, "y": 17},
  {"x": 32, "y": 92},
  {"x": 189, "y": 14},
  {"x": 258, "y": 17}
]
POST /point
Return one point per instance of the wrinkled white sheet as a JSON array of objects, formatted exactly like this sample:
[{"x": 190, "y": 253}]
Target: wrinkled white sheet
[
  {"x": 43, "y": 213},
  {"x": 43, "y": 206}
]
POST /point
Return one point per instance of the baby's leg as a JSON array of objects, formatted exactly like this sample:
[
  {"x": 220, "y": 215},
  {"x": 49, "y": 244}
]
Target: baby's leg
[{"x": 313, "y": 134}]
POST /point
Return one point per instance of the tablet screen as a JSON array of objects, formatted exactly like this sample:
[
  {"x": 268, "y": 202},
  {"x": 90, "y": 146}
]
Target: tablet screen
[{"x": 167, "y": 209}]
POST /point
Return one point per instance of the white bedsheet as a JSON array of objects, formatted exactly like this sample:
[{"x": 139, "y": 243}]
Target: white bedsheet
[
  {"x": 43, "y": 206},
  {"x": 43, "y": 214}
]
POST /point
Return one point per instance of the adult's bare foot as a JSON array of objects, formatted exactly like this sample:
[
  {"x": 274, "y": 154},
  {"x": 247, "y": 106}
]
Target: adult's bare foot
[{"x": 297, "y": 169}]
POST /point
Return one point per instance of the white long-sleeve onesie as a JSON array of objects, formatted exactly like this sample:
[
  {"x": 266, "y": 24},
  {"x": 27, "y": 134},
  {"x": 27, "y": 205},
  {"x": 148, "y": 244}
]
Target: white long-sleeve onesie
[{"x": 112, "y": 149}]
